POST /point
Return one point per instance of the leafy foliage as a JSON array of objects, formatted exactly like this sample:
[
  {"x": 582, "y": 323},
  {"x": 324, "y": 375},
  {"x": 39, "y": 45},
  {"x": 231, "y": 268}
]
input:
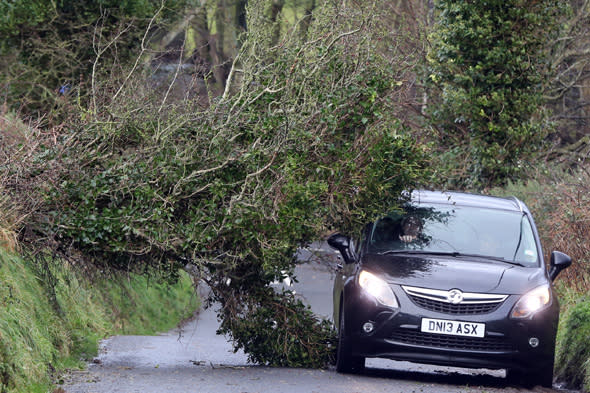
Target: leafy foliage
[
  {"x": 277, "y": 329},
  {"x": 300, "y": 143},
  {"x": 489, "y": 63}
]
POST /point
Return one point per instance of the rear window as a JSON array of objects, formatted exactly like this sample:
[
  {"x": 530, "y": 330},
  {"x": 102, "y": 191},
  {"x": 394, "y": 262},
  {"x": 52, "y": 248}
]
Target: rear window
[{"x": 466, "y": 230}]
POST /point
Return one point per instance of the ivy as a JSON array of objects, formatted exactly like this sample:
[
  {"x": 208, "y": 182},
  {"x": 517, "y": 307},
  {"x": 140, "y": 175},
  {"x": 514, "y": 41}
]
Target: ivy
[{"x": 488, "y": 65}]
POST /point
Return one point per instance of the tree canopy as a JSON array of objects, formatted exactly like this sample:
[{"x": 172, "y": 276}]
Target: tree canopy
[{"x": 317, "y": 121}]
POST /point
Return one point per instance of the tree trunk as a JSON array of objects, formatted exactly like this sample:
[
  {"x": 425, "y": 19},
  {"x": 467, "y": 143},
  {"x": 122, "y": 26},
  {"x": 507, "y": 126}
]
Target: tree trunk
[
  {"x": 274, "y": 12},
  {"x": 307, "y": 19},
  {"x": 202, "y": 35},
  {"x": 218, "y": 49},
  {"x": 240, "y": 15}
]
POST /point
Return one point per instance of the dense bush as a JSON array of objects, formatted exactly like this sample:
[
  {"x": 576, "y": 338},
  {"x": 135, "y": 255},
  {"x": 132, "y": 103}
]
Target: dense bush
[
  {"x": 486, "y": 70},
  {"x": 569, "y": 224}
]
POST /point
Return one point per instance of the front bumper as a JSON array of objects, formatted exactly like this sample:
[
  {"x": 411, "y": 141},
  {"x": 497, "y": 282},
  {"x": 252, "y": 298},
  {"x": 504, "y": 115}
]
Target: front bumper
[{"x": 397, "y": 335}]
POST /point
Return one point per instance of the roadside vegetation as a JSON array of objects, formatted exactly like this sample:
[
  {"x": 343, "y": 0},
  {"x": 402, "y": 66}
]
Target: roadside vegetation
[
  {"x": 52, "y": 316},
  {"x": 149, "y": 138},
  {"x": 559, "y": 199}
]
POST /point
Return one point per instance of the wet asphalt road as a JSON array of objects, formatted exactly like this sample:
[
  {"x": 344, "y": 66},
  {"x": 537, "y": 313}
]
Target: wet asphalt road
[{"x": 194, "y": 359}]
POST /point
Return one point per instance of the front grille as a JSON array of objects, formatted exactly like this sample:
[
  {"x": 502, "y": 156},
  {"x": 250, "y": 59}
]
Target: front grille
[
  {"x": 485, "y": 344},
  {"x": 457, "y": 309},
  {"x": 454, "y": 301}
]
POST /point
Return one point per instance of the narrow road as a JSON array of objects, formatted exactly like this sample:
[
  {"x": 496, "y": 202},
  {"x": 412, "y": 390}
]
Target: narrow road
[{"x": 194, "y": 359}]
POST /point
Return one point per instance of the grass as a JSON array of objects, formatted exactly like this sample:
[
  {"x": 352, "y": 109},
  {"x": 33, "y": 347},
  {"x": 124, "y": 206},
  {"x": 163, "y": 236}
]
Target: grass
[
  {"x": 29, "y": 335},
  {"x": 52, "y": 316},
  {"x": 573, "y": 350}
]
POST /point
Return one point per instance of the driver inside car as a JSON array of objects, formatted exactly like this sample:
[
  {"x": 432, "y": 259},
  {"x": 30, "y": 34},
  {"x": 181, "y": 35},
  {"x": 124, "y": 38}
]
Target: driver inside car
[{"x": 411, "y": 227}]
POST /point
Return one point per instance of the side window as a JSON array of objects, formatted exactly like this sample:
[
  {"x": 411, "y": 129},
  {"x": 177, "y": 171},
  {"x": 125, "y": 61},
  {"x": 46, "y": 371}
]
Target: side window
[
  {"x": 527, "y": 250},
  {"x": 353, "y": 247},
  {"x": 361, "y": 241}
]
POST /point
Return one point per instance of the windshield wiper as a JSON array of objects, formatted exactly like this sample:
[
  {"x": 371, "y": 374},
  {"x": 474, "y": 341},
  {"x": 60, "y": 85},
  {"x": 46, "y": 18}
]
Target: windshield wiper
[
  {"x": 454, "y": 254},
  {"x": 495, "y": 258},
  {"x": 421, "y": 252}
]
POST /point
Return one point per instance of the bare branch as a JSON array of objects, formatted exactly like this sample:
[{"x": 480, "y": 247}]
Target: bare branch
[{"x": 142, "y": 50}]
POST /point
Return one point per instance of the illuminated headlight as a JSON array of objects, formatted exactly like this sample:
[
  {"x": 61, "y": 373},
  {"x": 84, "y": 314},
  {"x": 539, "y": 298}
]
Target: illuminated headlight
[
  {"x": 377, "y": 288},
  {"x": 531, "y": 302}
]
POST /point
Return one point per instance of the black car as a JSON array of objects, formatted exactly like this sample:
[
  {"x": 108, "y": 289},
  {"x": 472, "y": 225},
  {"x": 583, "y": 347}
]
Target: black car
[{"x": 450, "y": 279}]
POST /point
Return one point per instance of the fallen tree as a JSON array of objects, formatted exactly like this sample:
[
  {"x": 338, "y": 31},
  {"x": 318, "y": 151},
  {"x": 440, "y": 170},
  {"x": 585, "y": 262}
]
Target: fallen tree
[{"x": 302, "y": 141}]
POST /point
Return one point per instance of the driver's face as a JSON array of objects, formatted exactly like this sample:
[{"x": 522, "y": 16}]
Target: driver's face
[{"x": 411, "y": 228}]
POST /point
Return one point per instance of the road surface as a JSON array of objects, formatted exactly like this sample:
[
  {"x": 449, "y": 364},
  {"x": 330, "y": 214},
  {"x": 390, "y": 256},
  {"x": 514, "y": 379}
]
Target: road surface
[{"x": 194, "y": 359}]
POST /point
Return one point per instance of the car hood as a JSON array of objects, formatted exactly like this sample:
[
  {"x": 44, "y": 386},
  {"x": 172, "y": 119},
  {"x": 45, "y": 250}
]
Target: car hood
[{"x": 478, "y": 275}]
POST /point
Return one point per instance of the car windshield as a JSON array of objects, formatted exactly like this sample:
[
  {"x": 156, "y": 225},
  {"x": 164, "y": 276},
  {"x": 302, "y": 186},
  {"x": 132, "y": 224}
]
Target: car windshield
[{"x": 457, "y": 230}]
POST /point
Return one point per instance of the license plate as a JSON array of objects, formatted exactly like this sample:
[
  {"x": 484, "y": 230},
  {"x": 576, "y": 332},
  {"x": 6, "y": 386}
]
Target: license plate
[{"x": 455, "y": 328}]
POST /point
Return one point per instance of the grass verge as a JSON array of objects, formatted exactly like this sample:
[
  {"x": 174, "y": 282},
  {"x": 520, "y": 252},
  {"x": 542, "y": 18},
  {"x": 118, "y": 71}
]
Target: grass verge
[
  {"x": 573, "y": 350},
  {"x": 52, "y": 316}
]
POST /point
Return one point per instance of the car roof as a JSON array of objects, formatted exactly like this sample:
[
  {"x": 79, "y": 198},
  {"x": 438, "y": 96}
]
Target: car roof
[{"x": 466, "y": 199}]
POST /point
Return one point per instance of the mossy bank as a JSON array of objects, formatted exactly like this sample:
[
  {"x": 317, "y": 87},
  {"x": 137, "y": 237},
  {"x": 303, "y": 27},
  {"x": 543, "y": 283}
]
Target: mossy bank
[{"x": 52, "y": 316}]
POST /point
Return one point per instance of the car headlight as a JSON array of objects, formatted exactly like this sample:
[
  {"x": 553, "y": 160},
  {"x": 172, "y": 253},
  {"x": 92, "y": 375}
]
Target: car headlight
[
  {"x": 377, "y": 288},
  {"x": 532, "y": 302}
]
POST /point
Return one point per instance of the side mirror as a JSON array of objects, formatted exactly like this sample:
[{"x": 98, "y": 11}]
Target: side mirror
[
  {"x": 341, "y": 243},
  {"x": 559, "y": 261}
]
